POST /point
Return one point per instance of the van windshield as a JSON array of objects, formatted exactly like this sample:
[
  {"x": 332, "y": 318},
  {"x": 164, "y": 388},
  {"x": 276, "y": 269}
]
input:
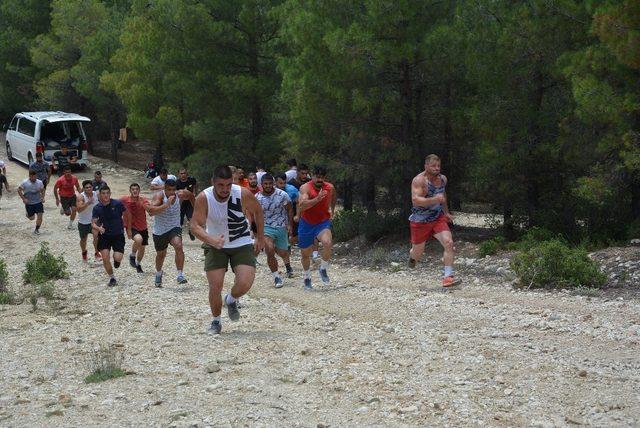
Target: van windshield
[{"x": 56, "y": 134}]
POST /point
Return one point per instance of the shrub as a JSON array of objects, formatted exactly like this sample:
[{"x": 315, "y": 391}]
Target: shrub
[
  {"x": 376, "y": 226},
  {"x": 491, "y": 246},
  {"x": 105, "y": 362},
  {"x": 346, "y": 224},
  {"x": 44, "y": 266},
  {"x": 6, "y": 298},
  {"x": 4, "y": 276},
  {"x": 552, "y": 264}
]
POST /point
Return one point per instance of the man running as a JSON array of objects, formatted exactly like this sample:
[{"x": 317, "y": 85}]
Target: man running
[
  {"x": 31, "y": 191},
  {"x": 302, "y": 176},
  {"x": 186, "y": 182},
  {"x": 85, "y": 202},
  {"x": 62, "y": 159},
  {"x": 42, "y": 169},
  {"x": 107, "y": 221},
  {"x": 65, "y": 193},
  {"x": 317, "y": 204},
  {"x": 98, "y": 182},
  {"x": 3, "y": 183},
  {"x": 278, "y": 219},
  {"x": 136, "y": 224},
  {"x": 158, "y": 182},
  {"x": 293, "y": 193},
  {"x": 430, "y": 216},
  {"x": 253, "y": 187},
  {"x": 165, "y": 207},
  {"x": 227, "y": 240}
]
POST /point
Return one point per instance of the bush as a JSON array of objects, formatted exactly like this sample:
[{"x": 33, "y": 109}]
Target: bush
[
  {"x": 105, "y": 362},
  {"x": 491, "y": 246},
  {"x": 4, "y": 276},
  {"x": 350, "y": 224},
  {"x": 44, "y": 266},
  {"x": 346, "y": 224},
  {"x": 553, "y": 264}
]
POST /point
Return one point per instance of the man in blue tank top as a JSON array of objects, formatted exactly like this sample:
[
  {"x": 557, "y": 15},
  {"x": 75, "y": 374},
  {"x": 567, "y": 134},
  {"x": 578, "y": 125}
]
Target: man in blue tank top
[{"x": 430, "y": 216}]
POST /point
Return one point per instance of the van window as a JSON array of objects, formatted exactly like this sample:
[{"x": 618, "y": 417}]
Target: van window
[
  {"x": 13, "y": 124},
  {"x": 27, "y": 127}
]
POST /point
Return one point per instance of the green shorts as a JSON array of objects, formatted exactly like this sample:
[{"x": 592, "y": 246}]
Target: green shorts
[
  {"x": 279, "y": 235},
  {"x": 219, "y": 259}
]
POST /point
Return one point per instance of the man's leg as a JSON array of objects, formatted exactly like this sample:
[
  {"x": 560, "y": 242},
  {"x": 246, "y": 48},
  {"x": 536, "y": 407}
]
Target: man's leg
[
  {"x": 416, "y": 252},
  {"x": 446, "y": 240},
  {"x": 216, "y": 282},
  {"x": 38, "y": 220},
  {"x": 245, "y": 275},
  {"x": 326, "y": 240},
  {"x": 73, "y": 213},
  {"x": 176, "y": 243},
  {"x": 83, "y": 245},
  {"x": 138, "y": 249},
  {"x": 160, "y": 255},
  {"x": 270, "y": 249},
  {"x": 106, "y": 261}
]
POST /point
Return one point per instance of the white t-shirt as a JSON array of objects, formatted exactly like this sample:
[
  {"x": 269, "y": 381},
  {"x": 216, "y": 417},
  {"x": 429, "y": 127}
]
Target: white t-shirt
[
  {"x": 291, "y": 174},
  {"x": 1, "y": 164},
  {"x": 259, "y": 175},
  {"x": 159, "y": 180}
]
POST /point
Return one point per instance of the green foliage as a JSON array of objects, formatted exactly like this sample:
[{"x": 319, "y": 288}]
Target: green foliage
[
  {"x": 7, "y": 298},
  {"x": 346, "y": 224},
  {"x": 350, "y": 224},
  {"x": 105, "y": 362},
  {"x": 44, "y": 267},
  {"x": 491, "y": 246},
  {"x": 553, "y": 264},
  {"x": 102, "y": 376},
  {"x": 4, "y": 276}
]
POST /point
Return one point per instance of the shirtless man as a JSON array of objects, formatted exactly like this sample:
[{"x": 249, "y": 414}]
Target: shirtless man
[{"x": 430, "y": 216}]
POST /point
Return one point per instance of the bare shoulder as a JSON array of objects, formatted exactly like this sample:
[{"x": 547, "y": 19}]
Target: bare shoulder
[{"x": 418, "y": 179}]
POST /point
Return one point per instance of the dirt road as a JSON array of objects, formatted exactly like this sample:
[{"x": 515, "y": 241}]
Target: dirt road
[{"x": 375, "y": 348}]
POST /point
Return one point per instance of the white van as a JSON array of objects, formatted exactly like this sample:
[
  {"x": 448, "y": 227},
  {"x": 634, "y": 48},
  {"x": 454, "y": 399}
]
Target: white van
[{"x": 46, "y": 132}]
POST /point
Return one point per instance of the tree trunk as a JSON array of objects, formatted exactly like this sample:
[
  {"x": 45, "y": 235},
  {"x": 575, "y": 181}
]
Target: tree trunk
[{"x": 347, "y": 194}]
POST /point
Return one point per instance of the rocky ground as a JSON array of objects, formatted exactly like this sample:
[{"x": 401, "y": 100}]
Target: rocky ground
[{"x": 381, "y": 346}]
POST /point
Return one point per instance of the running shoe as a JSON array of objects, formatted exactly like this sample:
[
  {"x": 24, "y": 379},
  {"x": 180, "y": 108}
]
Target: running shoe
[
  {"x": 36, "y": 232},
  {"x": 132, "y": 260},
  {"x": 277, "y": 282},
  {"x": 323, "y": 275},
  {"x": 70, "y": 225},
  {"x": 232, "y": 309},
  {"x": 112, "y": 282},
  {"x": 159, "y": 279},
  {"x": 191, "y": 236},
  {"x": 215, "y": 328},
  {"x": 289, "y": 273},
  {"x": 61, "y": 210},
  {"x": 139, "y": 269},
  {"x": 307, "y": 284},
  {"x": 181, "y": 279},
  {"x": 98, "y": 257},
  {"x": 411, "y": 263},
  {"x": 85, "y": 258},
  {"x": 450, "y": 281}
]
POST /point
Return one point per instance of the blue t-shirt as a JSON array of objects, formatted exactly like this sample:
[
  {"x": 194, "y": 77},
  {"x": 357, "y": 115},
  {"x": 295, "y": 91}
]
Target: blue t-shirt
[
  {"x": 293, "y": 193},
  {"x": 110, "y": 216}
]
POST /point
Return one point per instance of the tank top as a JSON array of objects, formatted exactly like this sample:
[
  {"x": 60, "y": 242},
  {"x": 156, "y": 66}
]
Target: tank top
[
  {"x": 86, "y": 215},
  {"x": 167, "y": 219},
  {"x": 320, "y": 211},
  {"x": 226, "y": 218},
  {"x": 432, "y": 212}
]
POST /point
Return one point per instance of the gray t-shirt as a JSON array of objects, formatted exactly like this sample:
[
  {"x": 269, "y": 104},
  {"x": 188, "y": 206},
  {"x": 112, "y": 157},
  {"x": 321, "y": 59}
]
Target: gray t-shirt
[
  {"x": 274, "y": 207},
  {"x": 41, "y": 169},
  {"x": 32, "y": 190}
]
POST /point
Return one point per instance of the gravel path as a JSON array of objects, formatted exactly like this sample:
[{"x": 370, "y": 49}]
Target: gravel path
[{"x": 376, "y": 348}]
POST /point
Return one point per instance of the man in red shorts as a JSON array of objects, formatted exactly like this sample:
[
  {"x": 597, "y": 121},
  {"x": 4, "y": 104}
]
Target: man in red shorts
[
  {"x": 135, "y": 222},
  {"x": 430, "y": 216},
  {"x": 65, "y": 194}
]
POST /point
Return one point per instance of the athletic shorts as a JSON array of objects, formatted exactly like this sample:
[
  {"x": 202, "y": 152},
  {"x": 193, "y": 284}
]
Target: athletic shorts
[
  {"x": 161, "y": 242},
  {"x": 220, "y": 259},
  {"x": 294, "y": 229},
  {"x": 422, "y": 232},
  {"x": 143, "y": 233},
  {"x": 111, "y": 242},
  {"x": 33, "y": 209},
  {"x": 279, "y": 235},
  {"x": 67, "y": 203},
  {"x": 84, "y": 230},
  {"x": 308, "y": 232},
  {"x": 186, "y": 209}
]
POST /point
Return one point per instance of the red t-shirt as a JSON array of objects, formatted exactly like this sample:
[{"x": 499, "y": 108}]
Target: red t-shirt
[
  {"x": 136, "y": 209},
  {"x": 320, "y": 211},
  {"x": 67, "y": 187}
]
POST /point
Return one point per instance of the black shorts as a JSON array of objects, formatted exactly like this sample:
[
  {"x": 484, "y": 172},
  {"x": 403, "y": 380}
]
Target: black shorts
[
  {"x": 33, "y": 209},
  {"x": 111, "y": 242},
  {"x": 186, "y": 209},
  {"x": 161, "y": 242},
  {"x": 84, "y": 230},
  {"x": 143, "y": 233},
  {"x": 67, "y": 202}
]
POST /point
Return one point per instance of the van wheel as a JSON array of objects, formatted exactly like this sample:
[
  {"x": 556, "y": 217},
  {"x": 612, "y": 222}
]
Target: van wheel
[{"x": 9, "y": 154}]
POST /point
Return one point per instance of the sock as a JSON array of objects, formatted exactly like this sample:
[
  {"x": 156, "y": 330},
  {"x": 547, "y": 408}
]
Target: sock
[
  {"x": 307, "y": 274},
  {"x": 179, "y": 273},
  {"x": 448, "y": 271},
  {"x": 217, "y": 319},
  {"x": 288, "y": 266},
  {"x": 324, "y": 264},
  {"x": 229, "y": 299},
  {"x": 314, "y": 255},
  {"x": 116, "y": 264}
]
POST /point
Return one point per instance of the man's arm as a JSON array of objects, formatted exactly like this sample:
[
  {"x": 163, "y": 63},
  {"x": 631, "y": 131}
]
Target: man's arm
[
  {"x": 81, "y": 205},
  {"x": 157, "y": 206},
  {"x": 78, "y": 189},
  {"x": 305, "y": 202},
  {"x": 254, "y": 208},
  {"x": 290, "y": 215},
  {"x": 55, "y": 193},
  {"x": 94, "y": 226},
  {"x": 418, "y": 192},
  {"x": 42, "y": 193},
  {"x": 199, "y": 221},
  {"x": 21, "y": 193}
]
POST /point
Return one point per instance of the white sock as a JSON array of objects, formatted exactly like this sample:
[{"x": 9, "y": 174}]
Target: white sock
[
  {"x": 158, "y": 272},
  {"x": 179, "y": 273},
  {"x": 307, "y": 274},
  {"x": 448, "y": 271},
  {"x": 229, "y": 299},
  {"x": 314, "y": 255},
  {"x": 324, "y": 264}
]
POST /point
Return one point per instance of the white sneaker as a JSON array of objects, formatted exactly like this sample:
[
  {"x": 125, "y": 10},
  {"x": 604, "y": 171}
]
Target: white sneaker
[{"x": 70, "y": 225}]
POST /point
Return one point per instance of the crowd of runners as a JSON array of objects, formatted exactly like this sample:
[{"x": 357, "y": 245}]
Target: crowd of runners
[{"x": 236, "y": 217}]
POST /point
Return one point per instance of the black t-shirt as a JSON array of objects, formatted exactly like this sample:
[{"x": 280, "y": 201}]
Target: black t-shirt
[
  {"x": 110, "y": 216},
  {"x": 189, "y": 185},
  {"x": 62, "y": 160},
  {"x": 98, "y": 185},
  {"x": 296, "y": 183},
  {"x": 3, "y": 182}
]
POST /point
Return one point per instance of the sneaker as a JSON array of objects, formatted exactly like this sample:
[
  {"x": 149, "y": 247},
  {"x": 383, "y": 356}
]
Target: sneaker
[
  {"x": 450, "y": 281},
  {"x": 112, "y": 282},
  {"x": 277, "y": 282},
  {"x": 307, "y": 284},
  {"x": 139, "y": 269},
  {"x": 411, "y": 263},
  {"x": 61, "y": 210},
  {"x": 289, "y": 273},
  {"x": 323, "y": 275},
  {"x": 36, "y": 232},
  {"x": 181, "y": 279},
  {"x": 193, "y": 238},
  {"x": 132, "y": 260},
  {"x": 85, "y": 258},
  {"x": 70, "y": 225},
  {"x": 215, "y": 328},
  {"x": 159, "y": 279},
  {"x": 98, "y": 257},
  {"x": 232, "y": 309}
]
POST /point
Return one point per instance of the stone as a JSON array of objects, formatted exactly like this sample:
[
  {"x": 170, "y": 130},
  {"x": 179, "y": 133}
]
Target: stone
[
  {"x": 57, "y": 412},
  {"x": 410, "y": 409},
  {"x": 508, "y": 391},
  {"x": 65, "y": 400},
  {"x": 582, "y": 373},
  {"x": 213, "y": 368}
]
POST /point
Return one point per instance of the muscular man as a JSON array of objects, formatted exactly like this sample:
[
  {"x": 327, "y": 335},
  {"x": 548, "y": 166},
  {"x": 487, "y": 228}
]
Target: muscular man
[
  {"x": 317, "y": 204},
  {"x": 220, "y": 223},
  {"x": 430, "y": 216}
]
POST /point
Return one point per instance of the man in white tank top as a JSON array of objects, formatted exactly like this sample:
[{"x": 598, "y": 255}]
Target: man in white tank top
[
  {"x": 85, "y": 202},
  {"x": 219, "y": 221},
  {"x": 165, "y": 207}
]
